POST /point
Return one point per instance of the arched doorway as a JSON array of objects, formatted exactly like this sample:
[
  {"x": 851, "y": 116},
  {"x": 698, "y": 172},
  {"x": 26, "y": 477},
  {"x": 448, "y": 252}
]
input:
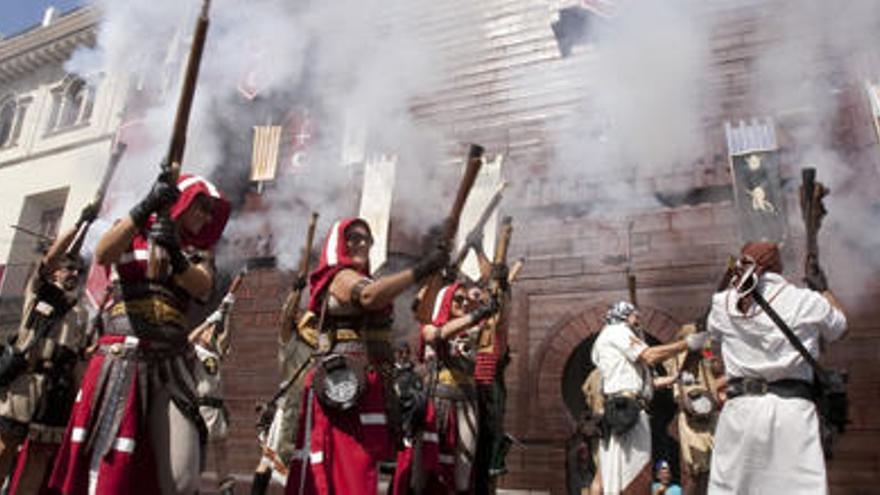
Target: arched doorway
[
  {"x": 576, "y": 335},
  {"x": 577, "y": 367}
]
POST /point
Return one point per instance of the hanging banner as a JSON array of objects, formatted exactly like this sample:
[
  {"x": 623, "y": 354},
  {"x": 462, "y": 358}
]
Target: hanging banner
[
  {"x": 264, "y": 162},
  {"x": 757, "y": 187},
  {"x": 376, "y": 197}
]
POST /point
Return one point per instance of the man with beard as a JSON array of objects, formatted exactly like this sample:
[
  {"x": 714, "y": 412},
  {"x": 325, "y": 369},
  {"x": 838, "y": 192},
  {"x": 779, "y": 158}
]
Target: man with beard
[
  {"x": 35, "y": 400},
  {"x": 625, "y": 360},
  {"x": 347, "y": 411}
]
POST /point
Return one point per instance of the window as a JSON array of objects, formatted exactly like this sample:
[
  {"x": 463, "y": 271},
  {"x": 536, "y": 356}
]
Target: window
[
  {"x": 72, "y": 104},
  {"x": 12, "y": 112},
  {"x": 50, "y": 218}
]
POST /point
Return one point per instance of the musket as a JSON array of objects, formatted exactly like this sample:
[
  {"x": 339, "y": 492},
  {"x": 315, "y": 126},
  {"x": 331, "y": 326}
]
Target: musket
[
  {"x": 630, "y": 273},
  {"x": 100, "y": 194},
  {"x": 481, "y": 223},
  {"x": 631, "y": 286},
  {"x": 157, "y": 266},
  {"x": 515, "y": 270},
  {"x": 233, "y": 288},
  {"x": 813, "y": 210},
  {"x": 30, "y": 232},
  {"x": 497, "y": 287},
  {"x": 291, "y": 303},
  {"x": 450, "y": 228}
]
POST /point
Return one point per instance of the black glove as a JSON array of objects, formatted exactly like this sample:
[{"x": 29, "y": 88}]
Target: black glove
[
  {"x": 486, "y": 310},
  {"x": 299, "y": 284},
  {"x": 815, "y": 277},
  {"x": 163, "y": 194},
  {"x": 88, "y": 214},
  {"x": 435, "y": 255},
  {"x": 501, "y": 273},
  {"x": 164, "y": 233}
]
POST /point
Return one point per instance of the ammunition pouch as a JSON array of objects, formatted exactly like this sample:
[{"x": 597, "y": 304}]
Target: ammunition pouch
[
  {"x": 832, "y": 404},
  {"x": 339, "y": 381},
  {"x": 621, "y": 413},
  {"x": 412, "y": 398},
  {"x": 12, "y": 364},
  {"x": 698, "y": 404}
]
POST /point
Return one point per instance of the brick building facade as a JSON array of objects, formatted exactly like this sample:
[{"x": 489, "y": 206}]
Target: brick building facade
[{"x": 576, "y": 250}]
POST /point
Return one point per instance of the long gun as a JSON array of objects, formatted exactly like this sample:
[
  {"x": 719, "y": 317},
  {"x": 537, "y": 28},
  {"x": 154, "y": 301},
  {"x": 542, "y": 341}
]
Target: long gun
[
  {"x": 291, "y": 303},
  {"x": 100, "y": 194},
  {"x": 491, "y": 206},
  {"x": 631, "y": 286},
  {"x": 434, "y": 283},
  {"x": 813, "y": 210},
  {"x": 233, "y": 288},
  {"x": 157, "y": 266},
  {"x": 630, "y": 273},
  {"x": 497, "y": 287}
]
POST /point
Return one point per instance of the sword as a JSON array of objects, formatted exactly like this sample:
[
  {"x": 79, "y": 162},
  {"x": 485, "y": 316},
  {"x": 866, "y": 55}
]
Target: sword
[{"x": 307, "y": 442}]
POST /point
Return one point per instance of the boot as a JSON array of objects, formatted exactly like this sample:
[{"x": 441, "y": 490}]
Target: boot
[{"x": 260, "y": 484}]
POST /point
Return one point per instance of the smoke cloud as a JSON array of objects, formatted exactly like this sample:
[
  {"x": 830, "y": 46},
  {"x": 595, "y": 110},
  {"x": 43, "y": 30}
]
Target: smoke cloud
[{"x": 355, "y": 66}]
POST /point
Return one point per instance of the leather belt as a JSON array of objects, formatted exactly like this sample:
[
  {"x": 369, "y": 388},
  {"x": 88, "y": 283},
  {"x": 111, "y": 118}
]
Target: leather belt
[
  {"x": 152, "y": 310},
  {"x": 454, "y": 377},
  {"x": 643, "y": 403},
  {"x": 457, "y": 392},
  {"x": 787, "y": 388},
  {"x": 215, "y": 402}
]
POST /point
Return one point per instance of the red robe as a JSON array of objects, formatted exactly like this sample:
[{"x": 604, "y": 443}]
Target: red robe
[{"x": 129, "y": 465}]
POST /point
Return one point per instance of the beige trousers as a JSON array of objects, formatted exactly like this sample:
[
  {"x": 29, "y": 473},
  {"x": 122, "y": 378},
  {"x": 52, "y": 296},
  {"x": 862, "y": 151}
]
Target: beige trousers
[{"x": 174, "y": 437}]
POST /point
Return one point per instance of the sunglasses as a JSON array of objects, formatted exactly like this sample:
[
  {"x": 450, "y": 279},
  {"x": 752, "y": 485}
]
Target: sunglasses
[
  {"x": 356, "y": 238},
  {"x": 459, "y": 299}
]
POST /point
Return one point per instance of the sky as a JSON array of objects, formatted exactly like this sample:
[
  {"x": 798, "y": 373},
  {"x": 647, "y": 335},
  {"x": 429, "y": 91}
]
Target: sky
[{"x": 18, "y": 15}]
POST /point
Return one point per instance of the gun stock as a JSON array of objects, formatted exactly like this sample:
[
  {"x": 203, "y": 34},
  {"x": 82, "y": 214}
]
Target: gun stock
[
  {"x": 236, "y": 283},
  {"x": 291, "y": 303},
  {"x": 435, "y": 282},
  {"x": 631, "y": 286},
  {"x": 515, "y": 270},
  {"x": 157, "y": 265},
  {"x": 813, "y": 210},
  {"x": 808, "y": 191}
]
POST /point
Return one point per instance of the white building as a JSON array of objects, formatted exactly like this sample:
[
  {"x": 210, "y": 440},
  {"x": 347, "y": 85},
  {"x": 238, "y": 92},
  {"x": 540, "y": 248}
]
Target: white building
[{"x": 56, "y": 132}]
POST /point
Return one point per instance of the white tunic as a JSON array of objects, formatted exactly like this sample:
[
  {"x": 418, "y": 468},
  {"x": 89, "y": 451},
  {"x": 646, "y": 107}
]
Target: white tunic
[
  {"x": 622, "y": 458},
  {"x": 616, "y": 354},
  {"x": 767, "y": 444},
  {"x": 209, "y": 384}
]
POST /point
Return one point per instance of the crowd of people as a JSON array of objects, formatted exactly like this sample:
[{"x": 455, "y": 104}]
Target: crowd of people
[
  {"x": 146, "y": 405},
  {"x": 746, "y": 419}
]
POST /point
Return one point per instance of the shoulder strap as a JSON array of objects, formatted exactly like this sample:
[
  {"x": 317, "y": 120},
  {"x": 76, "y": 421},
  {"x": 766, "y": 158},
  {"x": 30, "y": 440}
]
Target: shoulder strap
[{"x": 782, "y": 326}]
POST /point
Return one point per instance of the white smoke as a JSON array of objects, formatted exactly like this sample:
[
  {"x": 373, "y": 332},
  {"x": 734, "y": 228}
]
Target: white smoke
[
  {"x": 810, "y": 77},
  {"x": 640, "y": 98},
  {"x": 348, "y": 61}
]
